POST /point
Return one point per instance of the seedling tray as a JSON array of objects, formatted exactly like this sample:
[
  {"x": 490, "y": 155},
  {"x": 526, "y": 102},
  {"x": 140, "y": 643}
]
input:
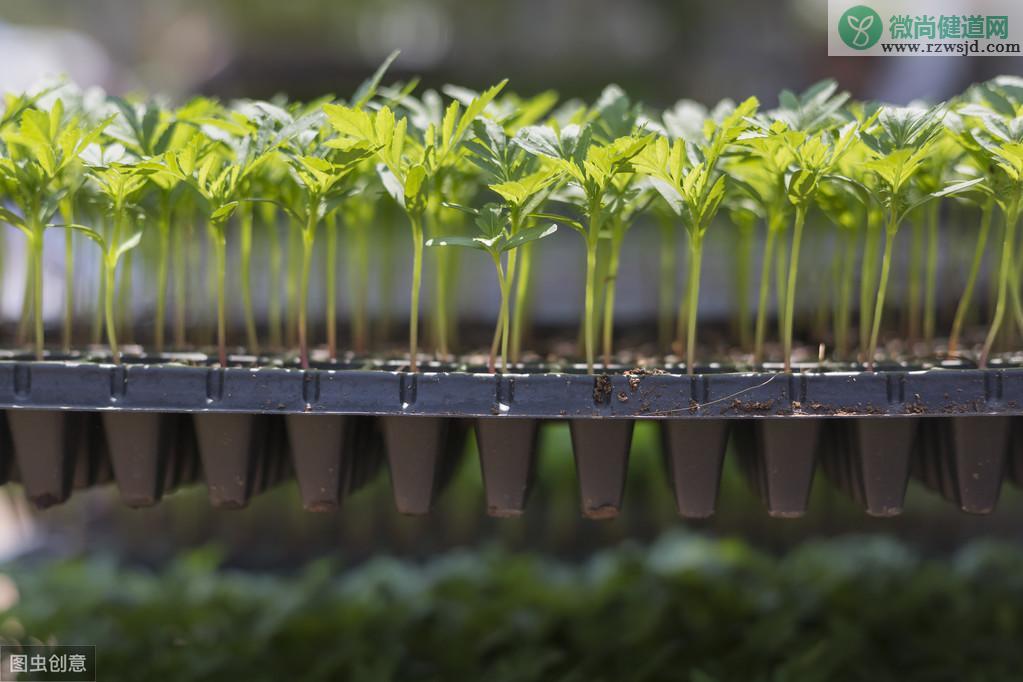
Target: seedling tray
[{"x": 153, "y": 427}]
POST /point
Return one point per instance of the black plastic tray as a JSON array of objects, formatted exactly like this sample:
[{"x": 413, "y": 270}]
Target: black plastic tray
[
  {"x": 152, "y": 428},
  {"x": 177, "y": 388}
]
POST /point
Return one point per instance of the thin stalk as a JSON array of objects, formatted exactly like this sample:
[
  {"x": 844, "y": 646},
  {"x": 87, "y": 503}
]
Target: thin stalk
[
  {"x": 915, "y": 262},
  {"x": 931, "y": 286},
  {"x": 695, "y": 260},
  {"x": 275, "y": 259},
  {"x": 37, "y": 289},
  {"x": 886, "y": 264},
  {"x": 505, "y": 284},
  {"x": 588, "y": 302},
  {"x": 308, "y": 239},
  {"x": 971, "y": 280},
  {"x": 495, "y": 345},
  {"x": 744, "y": 258},
  {"x": 868, "y": 268},
  {"x": 182, "y": 237},
  {"x": 442, "y": 295},
  {"x": 27, "y": 298},
  {"x": 589, "y": 324},
  {"x": 96, "y": 331},
  {"x": 358, "y": 273},
  {"x": 1004, "y": 278},
  {"x": 290, "y": 283},
  {"x": 126, "y": 313},
  {"x": 417, "y": 281},
  {"x": 501, "y": 332},
  {"x": 332, "y": 285},
  {"x": 245, "y": 220},
  {"x": 610, "y": 285},
  {"x": 385, "y": 280},
  {"x": 666, "y": 279},
  {"x": 208, "y": 257},
  {"x": 760, "y": 330},
  {"x": 217, "y": 232},
  {"x": 68, "y": 215},
  {"x": 163, "y": 267},
  {"x": 522, "y": 291},
  {"x": 109, "y": 273},
  {"x": 780, "y": 283},
  {"x": 845, "y": 286},
  {"x": 790, "y": 289}
]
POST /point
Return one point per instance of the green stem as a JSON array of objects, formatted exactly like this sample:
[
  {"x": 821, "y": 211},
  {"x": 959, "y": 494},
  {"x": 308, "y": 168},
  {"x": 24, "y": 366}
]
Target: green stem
[
  {"x": 666, "y": 278},
  {"x": 126, "y": 312},
  {"x": 681, "y": 320},
  {"x": 501, "y": 328},
  {"x": 744, "y": 259},
  {"x": 291, "y": 284},
  {"x": 780, "y": 281},
  {"x": 790, "y": 289},
  {"x": 915, "y": 257},
  {"x": 308, "y": 240},
  {"x": 931, "y": 290},
  {"x": 269, "y": 216},
  {"x": 332, "y": 285},
  {"x": 162, "y": 273},
  {"x": 868, "y": 268},
  {"x": 37, "y": 289},
  {"x": 886, "y": 265},
  {"x": 27, "y": 297},
  {"x": 220, "y": 254},
  {"x": 610, "y": 285},
  {"x": 844, "y": 321},
  {"x": 109, "y": 272},
  {"x": 416, "y": 222},
  {"x": 589, "y": 328},
  {"x": 522, "y": 291},
  {"x": 760, "y": 330},
  {"x": 96, "y": 331},
  {"x": 68, "y": 215},
  {"x": 359, "y": 279},
  {"x": 1004, "y": 276},
  {"x": 695, "y": 260},
  {"x": 505, "y": 284},
  {"x": 971, "y": 279},
  {"x": 245, "y": 220},
  {"x": 182, "y": 238}
]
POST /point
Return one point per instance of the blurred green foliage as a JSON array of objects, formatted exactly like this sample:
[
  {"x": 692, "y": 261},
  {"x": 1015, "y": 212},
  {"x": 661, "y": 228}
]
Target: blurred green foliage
[{"x": 684, "y": 608}]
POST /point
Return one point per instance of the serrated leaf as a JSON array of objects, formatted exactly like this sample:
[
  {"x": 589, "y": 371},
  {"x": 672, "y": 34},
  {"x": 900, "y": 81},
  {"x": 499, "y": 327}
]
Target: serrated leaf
[{"x": 526, "y": 235}]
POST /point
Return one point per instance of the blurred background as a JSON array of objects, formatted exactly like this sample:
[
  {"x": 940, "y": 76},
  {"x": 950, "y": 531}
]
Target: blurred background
[{"x": 658, "y": 50}]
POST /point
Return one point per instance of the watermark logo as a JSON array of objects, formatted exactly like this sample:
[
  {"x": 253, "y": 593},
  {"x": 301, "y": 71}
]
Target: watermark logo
[
  {"x": 925, "y": 28},
  {"x": 39, "y": 663},
  {"x": 860, "y": 27}
]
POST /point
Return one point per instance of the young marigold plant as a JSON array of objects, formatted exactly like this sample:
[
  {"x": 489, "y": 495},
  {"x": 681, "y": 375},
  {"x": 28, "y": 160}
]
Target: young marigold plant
[{"x": 176, "y": 197}]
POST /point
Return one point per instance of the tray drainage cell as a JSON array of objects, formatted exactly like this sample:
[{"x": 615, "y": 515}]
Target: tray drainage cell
[
  {"x": 964, "y": 459},
  {"x": 601, "y": 449},
  {"x": 869, "y": 460},
  {"x": 694, "y": 450},
  {"x": 422, "y": 453},
  {"x": 45, "y": 445},
  {"x": 140, "y": 445},
  {"x": 778, "y": 458},
  {"x": 230, "y": 446},
  {"x": 507, "y": 448}
]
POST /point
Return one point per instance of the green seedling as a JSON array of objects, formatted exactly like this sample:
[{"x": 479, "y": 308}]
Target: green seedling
[
  {"x": 590, "y": 169},
  {"x": 40, "y": 150},
  {"x": 496, "y": 238},
  {"x": 899, "y": 145},
  {"x": 690, "y": 180}
]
